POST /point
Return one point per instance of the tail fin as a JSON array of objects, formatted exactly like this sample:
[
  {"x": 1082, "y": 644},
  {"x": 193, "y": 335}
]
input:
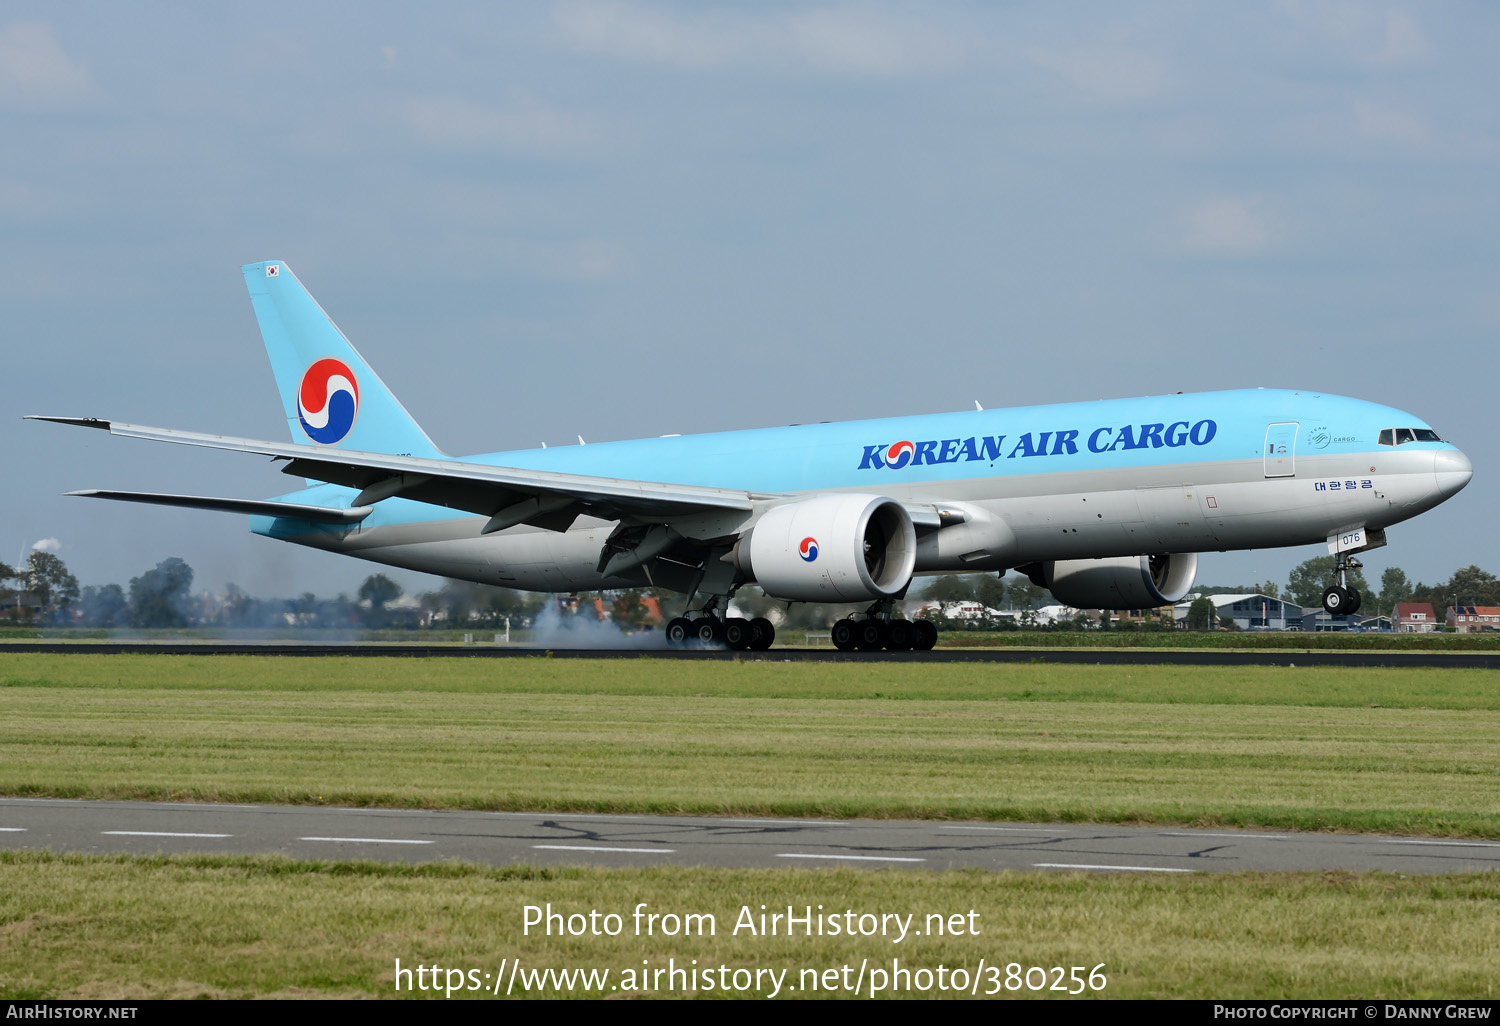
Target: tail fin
[{"x": 331, "y": 396}]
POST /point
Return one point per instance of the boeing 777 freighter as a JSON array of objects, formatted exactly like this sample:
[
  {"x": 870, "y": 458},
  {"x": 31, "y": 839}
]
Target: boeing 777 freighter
[{"x": 1106, "y": 503}]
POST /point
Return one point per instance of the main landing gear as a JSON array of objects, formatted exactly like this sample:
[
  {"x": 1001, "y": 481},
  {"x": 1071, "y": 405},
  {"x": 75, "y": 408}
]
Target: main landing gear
[
  {"x": 1340, "y": 599},
  {"x": 877, "y": 630},
  {"x": 709, "y": 630}
]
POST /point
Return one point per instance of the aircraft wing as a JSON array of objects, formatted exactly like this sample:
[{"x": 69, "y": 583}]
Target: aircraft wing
[{"x": 508, "y": 496}]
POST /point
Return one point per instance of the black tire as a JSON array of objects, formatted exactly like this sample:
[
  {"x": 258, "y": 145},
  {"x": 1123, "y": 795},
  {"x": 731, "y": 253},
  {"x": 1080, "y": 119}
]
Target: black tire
[
  {"x": 900, "y": 635},
  {"x": 1354, "y": 597},
  {"x": 869, "y": 635},
  {"x": 843, "y": 635},
  {"x": 737, "y": 633},
  {"x": 763, "y": 634},
  {"x": 709, "y": 631},
  {"x": 1336, "y": 601},
  {"x": 927, "y": 635},
  {"x": 679, "y": 631}
]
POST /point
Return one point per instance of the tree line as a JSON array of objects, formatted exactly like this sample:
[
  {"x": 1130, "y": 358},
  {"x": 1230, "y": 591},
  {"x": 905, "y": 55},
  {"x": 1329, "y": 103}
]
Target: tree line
[{"x": 44, "y": 592}]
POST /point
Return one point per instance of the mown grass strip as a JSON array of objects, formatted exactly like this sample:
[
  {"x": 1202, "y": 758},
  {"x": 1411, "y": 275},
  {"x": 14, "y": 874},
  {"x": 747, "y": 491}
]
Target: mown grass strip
[
  {"x": 1392, "y": 687},
  {"x": 120, "y": 927},
  {"x": 1349, "y": 767}
]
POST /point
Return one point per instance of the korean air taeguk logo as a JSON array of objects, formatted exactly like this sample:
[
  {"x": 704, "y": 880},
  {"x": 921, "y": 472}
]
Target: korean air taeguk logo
[
  {"x": 808, "y": 550},
  {"x": 328, "y": 401},
  {"x": 899, "y": 455}
]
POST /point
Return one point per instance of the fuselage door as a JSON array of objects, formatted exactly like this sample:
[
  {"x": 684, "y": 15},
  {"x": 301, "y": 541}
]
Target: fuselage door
[{"x": 1281, "y": 450}]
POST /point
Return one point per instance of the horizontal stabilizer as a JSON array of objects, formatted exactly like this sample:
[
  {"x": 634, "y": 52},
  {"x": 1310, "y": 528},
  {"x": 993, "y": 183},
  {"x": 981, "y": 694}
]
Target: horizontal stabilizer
[{"x": 254, "y": 507}]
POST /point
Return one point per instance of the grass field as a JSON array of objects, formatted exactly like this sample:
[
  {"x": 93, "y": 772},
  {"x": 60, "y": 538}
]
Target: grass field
[
  {"x": 1401, "y": 750},
  {"x": 94, "y": 927}
]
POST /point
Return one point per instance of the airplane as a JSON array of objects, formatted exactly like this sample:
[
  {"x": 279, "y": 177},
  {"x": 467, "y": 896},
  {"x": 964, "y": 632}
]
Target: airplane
[{"x": 1106, "y": 504}]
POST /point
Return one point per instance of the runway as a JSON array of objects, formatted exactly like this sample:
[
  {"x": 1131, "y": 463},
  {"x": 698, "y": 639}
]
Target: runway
[
  {"x": 1084, "y": 656},
  {"x": 543, "y": 838}
]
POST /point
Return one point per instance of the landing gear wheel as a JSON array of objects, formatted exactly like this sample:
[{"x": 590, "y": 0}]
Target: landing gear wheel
[
  {"x": 1353, "y": 602},
  {"x": 844, "y": 638},
  {"x": 709, "y": 631},
  {"x": 762, "y": 634},
  {"x": 737, "y": 633},
  {"x": 1337, "y": 601},
  {"x": 900, "y": 635},
  {"x": 926, "y": 635},
  {"x": 679, "y": 631},
  {"x": 869, "y": 635}
]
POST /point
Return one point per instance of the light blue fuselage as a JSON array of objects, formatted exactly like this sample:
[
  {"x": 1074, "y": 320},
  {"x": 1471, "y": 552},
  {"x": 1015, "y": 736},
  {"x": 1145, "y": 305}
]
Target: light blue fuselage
[{"x": 1177, "y": 473}]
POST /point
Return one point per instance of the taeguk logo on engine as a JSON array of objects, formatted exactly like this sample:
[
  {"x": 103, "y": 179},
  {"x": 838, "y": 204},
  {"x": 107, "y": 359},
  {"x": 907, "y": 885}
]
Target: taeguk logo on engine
[
  {"x": 808, "y": 550},
  {"x": 328, "y": 401}
]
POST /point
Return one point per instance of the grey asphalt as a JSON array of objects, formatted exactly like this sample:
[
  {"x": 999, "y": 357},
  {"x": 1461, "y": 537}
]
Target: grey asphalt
[
  {"x": 1481, "y": 660},
  {"x": 543, "y": 838}
]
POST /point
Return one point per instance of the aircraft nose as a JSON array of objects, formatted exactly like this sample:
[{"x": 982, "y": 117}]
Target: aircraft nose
[{"x": 1453, "y": 470}]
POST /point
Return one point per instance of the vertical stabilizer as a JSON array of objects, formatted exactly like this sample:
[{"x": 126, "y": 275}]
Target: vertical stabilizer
[{"x": 331, "y": 396}]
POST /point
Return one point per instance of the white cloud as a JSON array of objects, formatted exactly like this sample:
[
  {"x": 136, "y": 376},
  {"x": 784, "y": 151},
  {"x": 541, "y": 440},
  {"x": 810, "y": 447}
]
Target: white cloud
[
  {"x": 852, "y": 40},
  {"x": 867, "y": 42},
  {"x": 1228, "y": 226},
  {"x": 524, "y": 125},
  {"x": 46, "y": 545},
  {"x": 35, "y": 73},
  {"x": 1404, "y": 41},
  {"x": 1107, "y": 72},
  {"x": 1388, "y": 37},
  {"x": 1388, "y": 124}
]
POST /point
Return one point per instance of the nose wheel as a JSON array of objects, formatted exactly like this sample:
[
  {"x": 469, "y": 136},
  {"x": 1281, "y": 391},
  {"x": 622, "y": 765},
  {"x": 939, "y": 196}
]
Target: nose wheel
[{"x": 1340, "y": 599}]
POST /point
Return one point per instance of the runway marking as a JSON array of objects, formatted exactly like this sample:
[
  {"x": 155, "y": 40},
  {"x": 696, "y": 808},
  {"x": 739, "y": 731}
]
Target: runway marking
[
  {"x": 861, "y": 858},
  {"x": 155, "y": 833},
  {"x": 1004, "y": 830},
  {"x": 584, "y": 847},
  {"x": 1453, "y": 844},
  {"x": 1240, "y": 837},
  {"x": 1131, "y": 869},
  {"x": 12, "y": 830},
  {"x": 365, "y": 840},
  {"x": 787, "y": 822}
]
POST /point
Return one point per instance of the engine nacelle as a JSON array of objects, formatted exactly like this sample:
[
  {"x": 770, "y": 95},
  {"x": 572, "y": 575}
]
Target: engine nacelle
[
  {"x": 1122, "y": 582},
  {"x": 843, "y": 547}
]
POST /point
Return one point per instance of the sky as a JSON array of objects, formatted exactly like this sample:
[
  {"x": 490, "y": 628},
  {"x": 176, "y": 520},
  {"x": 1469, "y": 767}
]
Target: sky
[{"x": 624, "y": 219}]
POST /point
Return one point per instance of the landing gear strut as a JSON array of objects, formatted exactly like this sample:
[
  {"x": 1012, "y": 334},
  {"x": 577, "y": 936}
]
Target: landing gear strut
[{"x": 1340, "y": 599}]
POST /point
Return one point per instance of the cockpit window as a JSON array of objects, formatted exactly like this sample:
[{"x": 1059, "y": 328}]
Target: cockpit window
[{"x": 1400, "y": 436}]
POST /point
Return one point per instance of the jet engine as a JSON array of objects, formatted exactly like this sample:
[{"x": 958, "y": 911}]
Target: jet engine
[
  {"x": 1122, "y": 582},
  {"x": 841, "y": 547}
]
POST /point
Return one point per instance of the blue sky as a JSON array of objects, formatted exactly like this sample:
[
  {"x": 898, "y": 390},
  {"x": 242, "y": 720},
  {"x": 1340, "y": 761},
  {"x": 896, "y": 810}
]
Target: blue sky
[{"x": 623, "y": 219}]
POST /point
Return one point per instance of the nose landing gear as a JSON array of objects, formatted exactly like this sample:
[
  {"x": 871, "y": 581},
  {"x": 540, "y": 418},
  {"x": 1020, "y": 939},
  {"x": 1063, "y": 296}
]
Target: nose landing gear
[{"x": 1340, "y": 599}]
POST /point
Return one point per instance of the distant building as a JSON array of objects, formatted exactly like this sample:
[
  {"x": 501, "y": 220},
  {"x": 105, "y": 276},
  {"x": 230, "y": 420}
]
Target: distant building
[
  {"x": 1415, "y": 618},
  {"x": 1249, "y": 611},
  {"x": 1473, "y": 619},
  {"x": 1316, "y": 618},
  {"x": 965, "y": 610}
]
